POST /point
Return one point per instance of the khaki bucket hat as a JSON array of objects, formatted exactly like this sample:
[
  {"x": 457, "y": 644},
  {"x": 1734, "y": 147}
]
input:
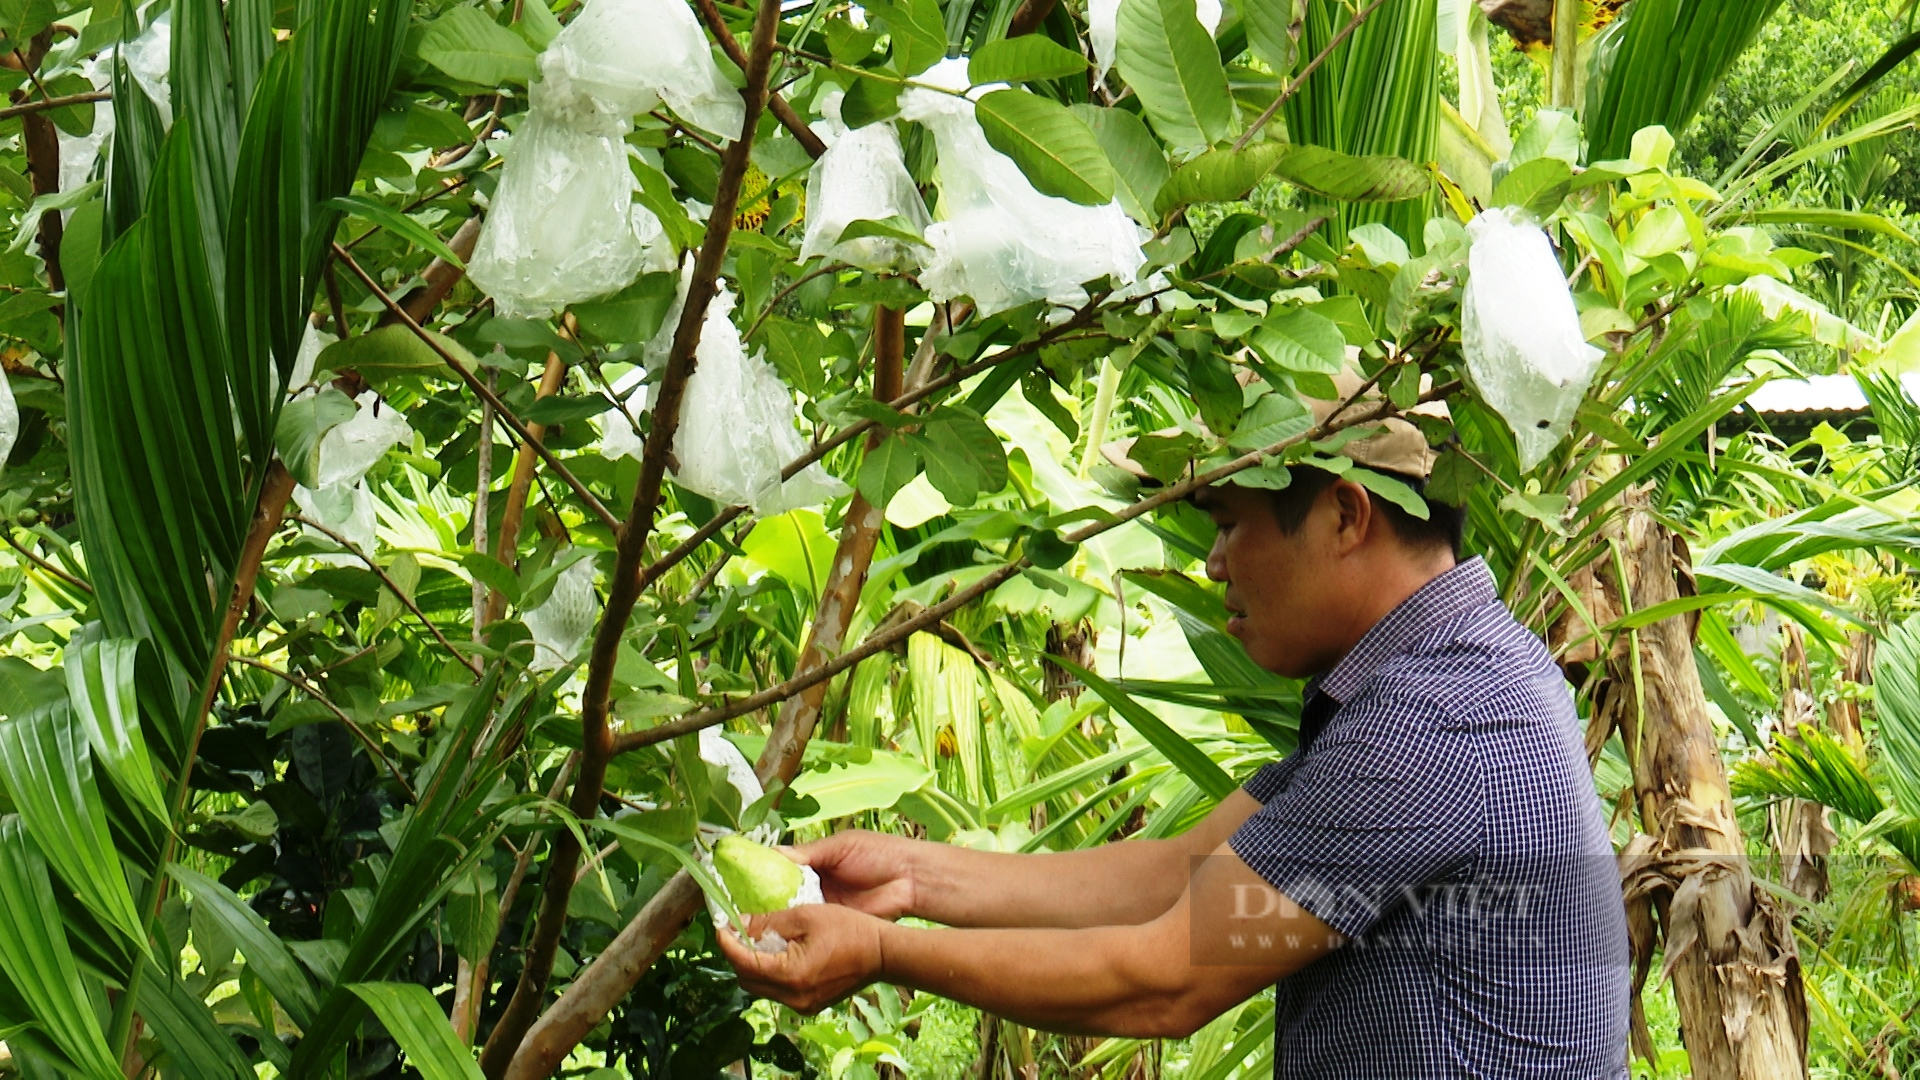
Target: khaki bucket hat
[{"x": 1398, "y": 446}]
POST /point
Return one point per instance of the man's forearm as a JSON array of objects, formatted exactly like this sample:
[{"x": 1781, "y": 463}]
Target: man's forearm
[
  {"x": 1098, "y": 981},
  {"x": 1115, "y": 885},
  {"x": 1123, "y": 884}
]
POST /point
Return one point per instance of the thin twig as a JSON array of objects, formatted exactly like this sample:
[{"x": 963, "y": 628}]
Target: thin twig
[
  {"x": 308, "y": 689},
  {"x": 353, "y": 549},
  {"x": 40, "y": 104},
  {"x": 473, "y": 382},
  {"x": 676, "y": 126},
  {"x": 32, "y": 74},
  {"x": 706, "y": 579},
  {"x": 1305, "y": 72},
  {"x": 44, "y": 564},
  {"x": 830, "y": 268},
  {"x": 447, "y": 187},
  {"x": 776, "y": 104}
]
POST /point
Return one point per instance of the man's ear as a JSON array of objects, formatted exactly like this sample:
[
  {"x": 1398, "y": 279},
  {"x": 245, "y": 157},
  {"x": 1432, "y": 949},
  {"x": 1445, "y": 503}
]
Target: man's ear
[{"x": 1354, "y": 516}]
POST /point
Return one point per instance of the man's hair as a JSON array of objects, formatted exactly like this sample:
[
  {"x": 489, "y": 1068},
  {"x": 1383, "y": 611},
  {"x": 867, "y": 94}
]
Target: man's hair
[{"x": 1443, "y": 527}]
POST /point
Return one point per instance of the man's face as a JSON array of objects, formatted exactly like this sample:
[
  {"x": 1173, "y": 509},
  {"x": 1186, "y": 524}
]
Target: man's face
[{"x": 1278, "y": 586}]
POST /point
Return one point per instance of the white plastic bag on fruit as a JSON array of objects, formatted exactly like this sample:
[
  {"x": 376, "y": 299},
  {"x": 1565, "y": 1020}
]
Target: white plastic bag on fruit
[
  {"x": 1103, "y": 28},
  {"x": 149, "y": 58},
  {"x": 736, "y": 427},
  {"x": 563, "y": 226},
  {"x": 560, "y": 623},
  {"x": 346, "y": 509},
  {"x": 623, "y": 57},
  {"x": 312, "y": 342},
  {"x": 349, "y": 450},
  {"x": 618, "y": 439},
  {"x": 998, "y": 240},
  {"x": 862, "y": 177},
  {"x": 654, "y": 356},
  {"x": 1525, "y": 352},
  {"x": 78, "y": 153},
  {"x": 9, "y": 420}
]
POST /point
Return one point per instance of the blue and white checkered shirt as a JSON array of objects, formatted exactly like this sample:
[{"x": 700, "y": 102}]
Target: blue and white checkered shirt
[{"x": 1440, "y": 813}]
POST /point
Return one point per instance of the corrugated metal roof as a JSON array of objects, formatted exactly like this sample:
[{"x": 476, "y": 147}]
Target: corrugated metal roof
[{"x": 1819, "y": 394}]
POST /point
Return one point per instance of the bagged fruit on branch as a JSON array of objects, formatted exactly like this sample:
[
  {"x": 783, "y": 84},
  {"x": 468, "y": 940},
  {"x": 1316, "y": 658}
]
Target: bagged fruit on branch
[
  {"x": 654, "y": 355},
  {"x": 9, "y": 419},
  {"x": 862, "y": 177},
  {"x": 312, "y": 342},
  {"x": 737, "y": 427},
  {"x": 563, "y": 226},
  {"x": 348, "y": 450},
  {"x": 618, "y": 439},
  {"x": 1525, "y": 351},
  {"x": 998, "y": 240},
  {"x": 346, "y": 509},
  {"x": 560, "y": 623},
  {"x": 620, "y": 58},
  {"x": 149, "y": 59}
]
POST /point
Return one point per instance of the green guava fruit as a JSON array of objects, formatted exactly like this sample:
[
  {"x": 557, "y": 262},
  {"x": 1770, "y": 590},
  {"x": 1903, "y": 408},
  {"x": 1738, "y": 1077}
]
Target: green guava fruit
[{"x": 758, "y": 879}]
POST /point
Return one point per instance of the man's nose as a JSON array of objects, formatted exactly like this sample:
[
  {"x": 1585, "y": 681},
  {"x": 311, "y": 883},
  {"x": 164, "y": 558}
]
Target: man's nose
[{"x": 1217, "y": 560}]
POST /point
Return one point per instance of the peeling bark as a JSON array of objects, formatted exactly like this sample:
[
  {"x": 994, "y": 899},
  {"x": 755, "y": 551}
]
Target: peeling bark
[
  {"x": 1802, "y": 833},
  {"x": 1729, "y": 949}
]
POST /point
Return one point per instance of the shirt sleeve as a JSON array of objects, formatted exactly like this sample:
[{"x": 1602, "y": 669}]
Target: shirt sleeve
[
  {"x": 1377, "y": 807},
  {"x": 1271, "y": 779}
]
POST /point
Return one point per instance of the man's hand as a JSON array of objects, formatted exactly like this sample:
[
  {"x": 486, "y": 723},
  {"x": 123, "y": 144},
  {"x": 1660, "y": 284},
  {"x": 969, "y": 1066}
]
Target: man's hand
[
  {"x": 831, "y": 953},
  {"x": 869, "y": 872}
]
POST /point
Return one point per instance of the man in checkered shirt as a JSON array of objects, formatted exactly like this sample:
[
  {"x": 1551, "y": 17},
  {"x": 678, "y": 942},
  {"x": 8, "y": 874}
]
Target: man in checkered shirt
[{"x": 1427, "y": 880}]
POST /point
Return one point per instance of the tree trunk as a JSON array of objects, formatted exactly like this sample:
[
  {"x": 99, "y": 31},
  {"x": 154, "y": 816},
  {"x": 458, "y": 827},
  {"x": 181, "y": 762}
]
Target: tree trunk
[
  {"x": 1729, "y": 950},
  {"x": 1801, "y": 831}
]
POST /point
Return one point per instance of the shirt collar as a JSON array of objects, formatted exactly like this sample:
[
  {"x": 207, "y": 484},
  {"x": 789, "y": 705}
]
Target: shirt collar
[{"x": 1467, "y": 586}]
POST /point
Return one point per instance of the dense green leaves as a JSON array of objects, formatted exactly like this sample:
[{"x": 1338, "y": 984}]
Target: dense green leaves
[
  {"x": 1658, "y": 62},
  {"x": 268, "y": 959},
  {"x": 414, "y": 1019},
  {"x": 36, "y": 959},
  {"x": 1139, "y": 168},
  {"x": 48, "y": 769},
  {"x": 1272, "y": 32},
  {"x": 1050, "y": 144},
  {"x": 472, "y": 48},
  {"x": 1029, "y": 58},
  {"x": 1169, "y": 61}
]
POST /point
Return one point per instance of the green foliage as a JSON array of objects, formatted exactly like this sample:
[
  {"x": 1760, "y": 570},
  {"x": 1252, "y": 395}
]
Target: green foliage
[{"x": 348, "y": 816}]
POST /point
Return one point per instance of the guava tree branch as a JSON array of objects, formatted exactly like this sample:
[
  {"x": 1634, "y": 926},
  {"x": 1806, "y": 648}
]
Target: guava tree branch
[
  {"x": 1346, "y": 417},
  {"x": 920, "y": 392},
  {"x": 393, "y": 587},
  {"x": 630, "y": 552},
  {"x": 514, "y": 423},
  {"x": 43, "y": 104},
  {"x": 1030, "y": 15},
  {"x": 508, "y": 542},
  {"x": 276, "y": 489},
  {"x": 777, "y": 105},
  {"x": 612, "y": 975},
  {"x": 440, "y": 276}
]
